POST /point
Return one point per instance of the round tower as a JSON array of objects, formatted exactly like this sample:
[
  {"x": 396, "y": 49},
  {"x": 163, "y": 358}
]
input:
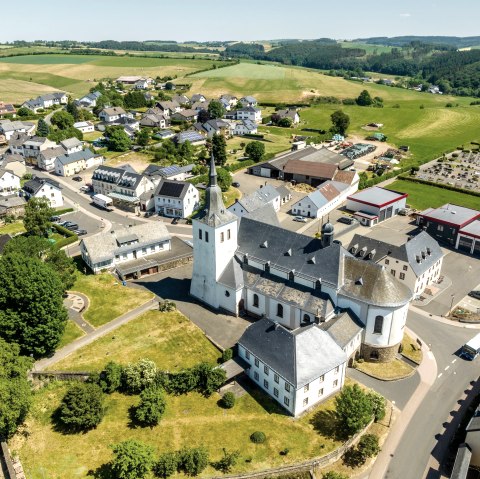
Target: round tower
[{"x": 327, "y": 234}]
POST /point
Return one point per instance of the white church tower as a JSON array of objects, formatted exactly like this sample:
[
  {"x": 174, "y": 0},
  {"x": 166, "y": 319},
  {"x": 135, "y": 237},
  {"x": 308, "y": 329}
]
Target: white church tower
[{"x": 214, "y": 244}]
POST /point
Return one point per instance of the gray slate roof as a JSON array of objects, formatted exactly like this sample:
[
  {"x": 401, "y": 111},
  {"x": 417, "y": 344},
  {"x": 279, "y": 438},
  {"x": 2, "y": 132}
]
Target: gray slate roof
[
  {"x": 34, "y": 185},
  {"x": 71, "y": 143},
  {"x": 53, "y": 152},
  {"x": 74, "y": 157},
  {"x": 258, "y": 198},
  {"x": 343, "y": 328},
  {"x": 299, "y": 356}
]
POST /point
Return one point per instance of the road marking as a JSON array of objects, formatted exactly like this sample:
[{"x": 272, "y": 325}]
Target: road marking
[
  {"x": 447, "y": 368},
  {"x": 440, "y": 375},
  {"x": 453, "y": 361}
]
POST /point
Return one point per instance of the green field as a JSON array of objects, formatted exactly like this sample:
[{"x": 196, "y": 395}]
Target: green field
[
  {"x": 422, "y": 196},
  {"x": 56, "y": 59}
]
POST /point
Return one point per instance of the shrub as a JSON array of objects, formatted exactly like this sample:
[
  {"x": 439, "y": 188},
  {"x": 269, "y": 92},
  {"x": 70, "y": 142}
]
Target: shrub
[
  {"x": 111, "y": 377},
  {"x": 82, "y": 407},
  {"x": 151, "y": 407},
  {"x": 166, "y": 465},
  {"x": 228, "y": 461},
  {"x": 354, "y": 409},
  {"x": 133, "y": 460},
  {"x": 334, "y": 475},
  {"x": 378, "y": 405},
  {"x": 227, "y": 355},
  {"x": 258, "y": 437},
  {"x": 166, "y": 306},
  {"x": 368, "y": 446},
  {"x": 138, "y": 376},
  {"x": 228, "y": 400},
  {"x": 193, "y": 461}
]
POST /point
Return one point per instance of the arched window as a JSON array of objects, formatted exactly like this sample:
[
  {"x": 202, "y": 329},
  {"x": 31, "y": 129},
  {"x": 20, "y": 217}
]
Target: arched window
[
  {"x": 374, "y": 355},
  {"x": 378, "y": 326},
  {"x": 279, "y": 310},
  {"x": 255, "y": 300},
  {"x": 306, "y": 318}
]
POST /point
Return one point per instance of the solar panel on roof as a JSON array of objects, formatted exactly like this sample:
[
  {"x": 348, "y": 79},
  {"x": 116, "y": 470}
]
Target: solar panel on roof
[{"x": 171, "y": 189}]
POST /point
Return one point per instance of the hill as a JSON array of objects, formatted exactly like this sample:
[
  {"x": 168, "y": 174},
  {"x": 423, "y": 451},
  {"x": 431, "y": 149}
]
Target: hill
[{"x": 457, "y": 42}]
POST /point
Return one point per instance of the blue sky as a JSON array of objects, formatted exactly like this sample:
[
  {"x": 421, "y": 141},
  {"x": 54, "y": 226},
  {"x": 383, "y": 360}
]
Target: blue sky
[{"x": 242, "y": 20}]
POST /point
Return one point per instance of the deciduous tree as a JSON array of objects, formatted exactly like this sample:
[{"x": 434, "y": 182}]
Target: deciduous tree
[
  {"x": 216, "y": 109},
  {"x": 354, "y": 409},
  {"x": 255, "y": 150},
  {"x": 219, "y": 149},
  {"x": 42, "y": 128},
  {"x": 37, "y": 216},
  {"x": 364, "y": 99},
  {"x": 62, "y": 119},
  {"x": 133, "y": 460},
  {"x": 151, "y": 407},
  {"x": 340, "y": 122},
  {"x": 118, "y": 140}
]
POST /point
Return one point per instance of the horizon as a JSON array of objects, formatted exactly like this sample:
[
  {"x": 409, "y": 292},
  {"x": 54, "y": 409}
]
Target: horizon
[{"x": 218, "y": 21}]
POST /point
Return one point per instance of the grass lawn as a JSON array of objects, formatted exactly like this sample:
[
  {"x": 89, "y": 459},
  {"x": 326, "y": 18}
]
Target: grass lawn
[
  {"x": 190, "y": 420},
  {"x": 108, "y": 298},
  {"x": 395, "y": 369},
  {"x": 72, "y": 332},
  {"x": 422, "y": 196},
  {"x": 231, "y": 195},
  {"x": 12, "y": 228},
  {"x": 411, "y": 349},
  {"x": 169, "y": 339}
]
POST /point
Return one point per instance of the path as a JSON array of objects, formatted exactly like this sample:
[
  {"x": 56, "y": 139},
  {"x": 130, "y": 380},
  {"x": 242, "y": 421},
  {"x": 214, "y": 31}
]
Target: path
[
  {"x": 94, "y": 335},
  {"x": 76, "y": 303}
]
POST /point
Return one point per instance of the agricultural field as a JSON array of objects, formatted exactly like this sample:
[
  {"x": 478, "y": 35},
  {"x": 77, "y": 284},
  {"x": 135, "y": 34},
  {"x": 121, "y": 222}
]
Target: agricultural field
[{"x": 76, "y": 74}]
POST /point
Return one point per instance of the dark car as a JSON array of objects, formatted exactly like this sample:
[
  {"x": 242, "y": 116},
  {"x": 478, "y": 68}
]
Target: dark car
[
  {"x": 174, "y": 221},
  {"x": 348, "y": 220},
  {"x": 236, "y": 184},
  {"x": 474, "y": 294},
  {"x": 55, "y": 219},
  {"x": 77, "y": 178},
  {"x": 71, "y": 226},
  {"x": 80, "y": 232}
]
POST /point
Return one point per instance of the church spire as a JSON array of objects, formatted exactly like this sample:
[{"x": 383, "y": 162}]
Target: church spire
[{"x": 213, "y": 172}]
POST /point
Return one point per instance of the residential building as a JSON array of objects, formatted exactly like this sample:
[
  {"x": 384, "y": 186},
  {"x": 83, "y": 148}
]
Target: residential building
[
  {"x": 193, "y": 137},
  {"x": 177, "y": 199},
  {"x": 185, "y": 115},
  {"x": 9, "y": 182},
  {"x": 90, "y": 100},
  {"x": 232, "y": 100},
  {"x": 142, "y": 84},
  {"x": 13, "y": 162},
  {"x": 453, "y": 225},
  {"x": 10, "y": 128},
  {"x": 198, "y": 97},
  {"x": 154, "y": 118},
  {"x": 33, "y": 147},
  {"x": 132, "y": 80},
  {"x": 112, "y": 114},
  {"x": 249, "y": 113},
  {"x": 12, "y": 205},
  {"x": 172, "y": 172},
  {"x": 248, "y": 101},
  {"x": 200, "y": 105},
  {"x": 70, "y": 164},
  {"x": 245, "y": 127},
  {"x": 109, "y": 250},
  {"x": 46, "y": 101},
  {"x": 46, "y": 158},
  {"x": 7, "y": 109},
  {"x": 374, "y": 205},
  {"x": 181, "y": 99},
  {"x": 168, "y": 108},
  {"x": 290, "y": 113},
  {"x": 216, "y": 127},
  {"x": 72, "y": 145},
  {"x": 44, "y": 188},
  {"x": 416, "y": 261},
  {"x": 84, "y": 126},
  {"x": 266, "y": 194}
]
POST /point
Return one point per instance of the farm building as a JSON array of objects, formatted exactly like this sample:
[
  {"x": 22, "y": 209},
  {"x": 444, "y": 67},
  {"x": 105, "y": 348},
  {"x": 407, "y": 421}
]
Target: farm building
[{"x": 374, "y": 205}]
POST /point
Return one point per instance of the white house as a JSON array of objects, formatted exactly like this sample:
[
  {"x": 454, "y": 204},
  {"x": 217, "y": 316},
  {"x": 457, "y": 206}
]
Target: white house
[
  {"x": 15, "y": 163},
  {"x": 247, "y": 266},
  {"x": 232, "y": 100},
  {"x": 46, "y": 101},
  {"x": 290, "y": 113},
  {"x": 177, "y": 199},
  {"x": 114, "y": 113},
  {"x": 415, "y": 261},
  {"x": 216, "y": 127},
  {"x": 135, "y": 245},
  {"x": 265, "y": 195},
  {"x": 10, "y": 128},
  {"x": 46, "y": 158},
  {"x": 72, "y": 145},
  {"x": 9, "y": 182},
  {"x": 70, "y": 164},
  {"x": 33, "y": 147},
  {"x": 249, "y": 113},
  {"x": 44, "y": 188},
  {"x": 90, "y": 100},
  {"x": 248, "y": 101},
  {"x": 142, "y": 84},
  {"x": 84, "y": 126},
  {"x": 245, "y": 127}
]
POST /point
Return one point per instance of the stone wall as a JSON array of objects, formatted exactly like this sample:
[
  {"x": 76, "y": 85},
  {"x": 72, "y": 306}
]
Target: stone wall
[{"x": 379, "y": 354}]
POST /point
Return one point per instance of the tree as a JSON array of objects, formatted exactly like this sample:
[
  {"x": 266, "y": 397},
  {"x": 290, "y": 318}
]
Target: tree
[
  {"x": 82, "y": 407},
  {"x": 354, "y": 409},
  {"x": 111, "y": 377},
  {"x": 60, "y": 135},
  {"x": 368, "y": 446},
  {"x": 203, "y": 116},
  {"x": 166, "y": 465},
  {"x": 228, "y": 400},
  {"x": 216, "y": 109},
  {"x": 151, "y": 407},
  {"x": 135, "y": 99},
  {"x": 118, "y": 140},
  {"x": 219, "y": 149},
  {"x": 133, "y": 460},
  {"x": 72, "y": 108},
  {"x": 63, "y": 266},
  {"x": 31, "y": 305},
  {"x": 255, "y": 151},
  {"x": 15, "y": 392},
  {"x": 378, "y": 405},
  {"x": 228, "y": 460},
  {"x": 23, "y": 111},
  {"x": 169, "y": 86},
  {"x": 37, "y": 216},
  {"x": 62, "y": 119},
  {"x": 285, "y": 122},
  {"x": 42, "y": 128},
  {"x": 143, "y": 137},
  {"x": 364, "y": 99},
  {"x": 224, "y": 179},
  {"x": 193, "y": 461},
  {"x": 138, "y": 376},
  {"x": 340, "y": 122}
]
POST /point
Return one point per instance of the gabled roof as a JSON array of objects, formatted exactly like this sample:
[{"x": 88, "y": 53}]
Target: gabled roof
[
  {"x": 54, "y": 152},
  {"x": 113, "y": 110},
  {"x": 343, "y": 328},
  {"x": 258, "y": 198},
  {"x": 172, "y": 189},
  {"x": 34, "y": 185},
  {"x": 74, "y": 157},
  {"x": 71, "y": 143},
  {"x": 309, "y": 168},
  {"x": 294, "y": 355}
]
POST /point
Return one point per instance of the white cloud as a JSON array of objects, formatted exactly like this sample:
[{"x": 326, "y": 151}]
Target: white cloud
[{"x": 405, "y": 15}]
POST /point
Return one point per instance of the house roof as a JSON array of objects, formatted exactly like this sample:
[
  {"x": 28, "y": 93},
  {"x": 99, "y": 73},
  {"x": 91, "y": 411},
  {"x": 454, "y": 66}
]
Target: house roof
[
  {"x": 343, "y": 328},
  {"x": 8, "y": 126},
  {"x": 124, "y": 176},
  {"x": 319, "y": 155},
  {"x": 11, "y": 201},
  {"x": 104, "y": 246},
  {"x": 288, "y": 113},
  {"x": 377, "y": 196},
  {"x": 186, "y": 113},
  {"x": 71, "y": 143},
  {"x": 34, "y": 185},
  {"x": 249, "y": 99},
  {"x": 283, "y": 191},
  {"x": 191, "y": 136},
  {"x": 77, "y": 156},
  {"x": 172, "y": 189},
  {"x": 82, "y": 124},
  {"x": 114, "y": 110},
  {"x": 294, "y": 355},
  {"x": 309, "y": 168},
  {"x": 258, "y": 198},
  {"x": 325, "y": 193},
  {"x": 451, "y": 214},
  {"x": 346, "y": 177},
  {"x": 265, "y": 214},
  {"x": 54, "y": 152}
]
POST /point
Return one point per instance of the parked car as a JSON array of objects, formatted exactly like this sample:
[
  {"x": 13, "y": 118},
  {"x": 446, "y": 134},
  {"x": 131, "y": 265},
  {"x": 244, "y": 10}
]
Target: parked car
[
  {"x": 149, "y": 213},
  {"x": 77, "y": 178},
  {"x": 85, "y": 189},
  {"x": 80, "y": 232},
  {"x": 348, "y": 220},
  {"x": 236, "y": 184},
  {"x": 474, "y": 294},
  {"x": 55, "y": 219},
  {"x": 301, "y": 219},
  {"x": 71, "y": 226}
]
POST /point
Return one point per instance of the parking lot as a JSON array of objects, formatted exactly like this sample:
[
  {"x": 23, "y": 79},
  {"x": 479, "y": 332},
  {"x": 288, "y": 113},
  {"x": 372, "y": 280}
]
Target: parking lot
[
  {"x": 462, "y": 171},
  {"x": 84, "y": 222}
]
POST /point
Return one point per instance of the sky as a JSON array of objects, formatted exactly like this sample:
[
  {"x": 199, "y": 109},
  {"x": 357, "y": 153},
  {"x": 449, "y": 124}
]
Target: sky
[{"x": 93, "y": 20}]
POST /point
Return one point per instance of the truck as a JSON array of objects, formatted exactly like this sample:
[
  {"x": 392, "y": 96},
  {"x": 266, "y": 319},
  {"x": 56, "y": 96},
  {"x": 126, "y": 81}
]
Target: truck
[
  {"x": 102, "y": 201},
  {"x": 471, "y": 349}
]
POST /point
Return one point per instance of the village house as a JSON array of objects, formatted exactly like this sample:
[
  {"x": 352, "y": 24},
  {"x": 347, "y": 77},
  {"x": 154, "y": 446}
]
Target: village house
[
  {"x": 154, "y": 118},
  {"x": 72, "y": 145},
  {"x": 231, "y": 100},
  {"x": 90, "y": 100},
  {"x": 245, "y": 127},
  {"x": 46, "y": 101},
  {"x": 132, "y": 80},
  {"x": 200, "y": 105},
  {"x": 185, "y": 115},
  {"x": 33, "y": 147},
  {"x": 10, "y": 128},
  {"x": 172, "y": 172},
  {"x": 44, "y": 188},
  {"x": 290, "y": 113},
  {"x": 112, "y": 114},
  {"x": 7, "y": 109},
  {"x": 46, "y": 159},
  {"x": 198, "y": 97},
  {"x": 70, "y": 164},
  {"x": 249, "y": 113},
  {"x": 15, "y": 163},
  {"x": 84, "y": 126},
  {"x": 168, "y": 108},
  {"x": 9, "y": 182},
  {"x": 216, "y": 127},
  {"x": 265, "y": 195},
  {"x": 248, "y": 101},
  {"x": 176, "y": 199},
  {"x": 181, "y": 99},
  {"x": 12, "y": 205}
]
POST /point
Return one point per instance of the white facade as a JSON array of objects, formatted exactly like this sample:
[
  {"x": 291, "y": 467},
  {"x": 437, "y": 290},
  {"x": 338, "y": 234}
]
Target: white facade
[
  {"x": 252, "y": 114},
  {"x": 51, "y": 193},
  {"x": 9, "y": 182},
  {"x": 175, "y": 207},
  {"x": 243, "y": 129},
  {"x": 85, "y": 126}
]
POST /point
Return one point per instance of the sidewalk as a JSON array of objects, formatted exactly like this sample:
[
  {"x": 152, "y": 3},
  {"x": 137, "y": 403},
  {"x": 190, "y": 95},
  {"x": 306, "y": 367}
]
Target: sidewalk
[
  {"x": 428, "y": 374},
  {"x": 443, "y": 320}
]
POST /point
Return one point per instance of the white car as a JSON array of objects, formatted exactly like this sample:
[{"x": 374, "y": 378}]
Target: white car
[{"x": 302, "y": 219}]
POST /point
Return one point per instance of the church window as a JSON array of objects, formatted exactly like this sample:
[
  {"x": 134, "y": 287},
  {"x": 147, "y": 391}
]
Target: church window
[
  {"x": 206, "y": 236},
  {"x": 279, "y": 310},
  {"x": 228, "y": 235},
  {"x": 222, "y": 237},
  {"x": 200, "y": 234},
  {"x": 378, "y": 327},
  {"x": 255, "y": 300},
  {"x": 227, "y": 293}
]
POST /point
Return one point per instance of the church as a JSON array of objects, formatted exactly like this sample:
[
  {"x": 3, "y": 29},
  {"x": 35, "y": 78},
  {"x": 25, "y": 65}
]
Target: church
[{"x": 317, "y": 305}]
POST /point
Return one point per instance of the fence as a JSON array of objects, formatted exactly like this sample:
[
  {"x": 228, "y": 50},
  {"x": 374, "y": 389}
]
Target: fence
[
  {"x": 60, "y": 375},
  {"x": 305, "y": 466},
  {"x": 6, "y": 463}
]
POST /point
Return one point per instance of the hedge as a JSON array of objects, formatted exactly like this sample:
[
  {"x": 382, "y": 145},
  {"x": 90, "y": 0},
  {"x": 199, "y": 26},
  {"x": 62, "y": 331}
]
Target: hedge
[
  {"x": 238, "y": 165},
  {"x": 71, "y": 237},
  {"x": 63, "y": 211},
  {"x": 440, "y": 185}
]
